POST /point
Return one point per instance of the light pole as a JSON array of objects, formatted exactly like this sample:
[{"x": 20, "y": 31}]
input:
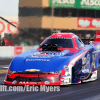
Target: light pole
[{"x": 52, "y": 16}]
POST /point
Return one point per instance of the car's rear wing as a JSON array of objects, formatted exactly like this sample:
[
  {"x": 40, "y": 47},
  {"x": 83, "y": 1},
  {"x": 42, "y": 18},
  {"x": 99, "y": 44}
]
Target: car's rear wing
[
  {"x": 97, "y": 37},
  {"x": 89, "y": 41}
]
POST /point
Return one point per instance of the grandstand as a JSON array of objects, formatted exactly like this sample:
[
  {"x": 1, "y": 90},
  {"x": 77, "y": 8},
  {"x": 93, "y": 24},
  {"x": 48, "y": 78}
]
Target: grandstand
[{"x": 38, "y": 17}]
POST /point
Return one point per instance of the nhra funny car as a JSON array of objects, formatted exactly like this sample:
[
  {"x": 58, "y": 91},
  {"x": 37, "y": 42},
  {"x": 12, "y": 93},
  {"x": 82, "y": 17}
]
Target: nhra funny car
[{"x": 61, "y": 59}]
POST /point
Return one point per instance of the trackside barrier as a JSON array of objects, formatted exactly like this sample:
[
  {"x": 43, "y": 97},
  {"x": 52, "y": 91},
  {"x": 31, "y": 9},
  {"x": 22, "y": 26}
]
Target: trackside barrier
[{"x": 12, "y": 51}]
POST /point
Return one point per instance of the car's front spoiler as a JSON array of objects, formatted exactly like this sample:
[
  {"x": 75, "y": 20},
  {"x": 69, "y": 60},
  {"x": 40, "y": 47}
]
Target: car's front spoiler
[{"x": 32, "y": 83}]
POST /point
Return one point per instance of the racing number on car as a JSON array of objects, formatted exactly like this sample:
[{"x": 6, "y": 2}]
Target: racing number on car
[{"x": 94, "y": 55}]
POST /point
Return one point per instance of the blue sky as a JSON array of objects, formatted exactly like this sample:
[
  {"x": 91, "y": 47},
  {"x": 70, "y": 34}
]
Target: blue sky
[{"x": 9, "y": 7}]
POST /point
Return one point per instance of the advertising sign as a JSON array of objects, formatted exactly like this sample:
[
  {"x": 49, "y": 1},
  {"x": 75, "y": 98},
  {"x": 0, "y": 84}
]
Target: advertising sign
[
  {"x": 62, "y": 3},
  {"x": 88, "y": 22},
  {"x": 18, "y": 50},
  {"x": 86, "y": 4},
  {"x": 90, "y": 4}
]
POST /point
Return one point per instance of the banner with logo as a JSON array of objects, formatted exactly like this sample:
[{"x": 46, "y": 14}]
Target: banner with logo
[
  {"x": 18, "y": 50},
  {"x": 88, "y": 22},
  {"x": 86, "y": 4},
  {"x": 89, "y": 4},
  {"x": 62, "y": 3}
]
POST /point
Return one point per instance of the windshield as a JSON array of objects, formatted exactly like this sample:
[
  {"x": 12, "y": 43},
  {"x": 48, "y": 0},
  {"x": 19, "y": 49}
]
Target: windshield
[{"x": 60, "y": 42}]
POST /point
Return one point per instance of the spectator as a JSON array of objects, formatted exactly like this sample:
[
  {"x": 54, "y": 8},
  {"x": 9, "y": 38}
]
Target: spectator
[
  {"x": 6, "y": 42},
  {"x": 3, "y": 42},
  {"x": 87, "y": 36},
  {"x": 10, "y": 43},
  {"x": 0, "y": 43}
]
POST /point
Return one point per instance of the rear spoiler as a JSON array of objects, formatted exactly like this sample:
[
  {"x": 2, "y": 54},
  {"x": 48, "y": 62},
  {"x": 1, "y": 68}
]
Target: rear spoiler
[{"x": 97, "y": 37}]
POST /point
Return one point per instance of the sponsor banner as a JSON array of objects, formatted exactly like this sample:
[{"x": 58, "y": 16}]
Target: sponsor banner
[
  {"x": 8, "y": 28},
  {"x": 86, "y": 4},
  {"x": 62, "y": 3},
  {"x": 18, "y": 50},
  {"x": 2, "y": 27},
  {"x": 88, "y": 22},
  {"x": 90, "y": 4},
  {"x": 12, "y": 51}
]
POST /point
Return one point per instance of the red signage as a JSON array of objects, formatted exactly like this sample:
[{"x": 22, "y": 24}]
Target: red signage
[
  {"x": 18, "y": 50},
  {"x": 3, "y": 27},
  {"x": 88, "y": 22},
  {"x": 97, "y": 38}
]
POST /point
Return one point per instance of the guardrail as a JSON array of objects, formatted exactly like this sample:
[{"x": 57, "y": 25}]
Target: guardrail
[{"x": 12, "y": 51}]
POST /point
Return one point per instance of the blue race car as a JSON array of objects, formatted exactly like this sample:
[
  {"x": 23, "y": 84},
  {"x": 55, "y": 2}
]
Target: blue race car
[{"x": 61, "y": 59}]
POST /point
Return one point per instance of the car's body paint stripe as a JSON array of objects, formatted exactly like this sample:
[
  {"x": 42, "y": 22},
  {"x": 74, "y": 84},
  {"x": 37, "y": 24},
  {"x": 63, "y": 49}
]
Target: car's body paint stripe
[{"x": 76, "y": 58}]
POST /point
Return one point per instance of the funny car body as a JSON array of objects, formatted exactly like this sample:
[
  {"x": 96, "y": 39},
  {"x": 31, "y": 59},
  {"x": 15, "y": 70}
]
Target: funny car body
[{"x": 61, "y": 59}]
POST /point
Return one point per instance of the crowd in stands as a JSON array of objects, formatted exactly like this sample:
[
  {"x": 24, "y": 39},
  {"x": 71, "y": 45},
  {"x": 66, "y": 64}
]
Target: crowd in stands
[{"x": 5, "y": 42}]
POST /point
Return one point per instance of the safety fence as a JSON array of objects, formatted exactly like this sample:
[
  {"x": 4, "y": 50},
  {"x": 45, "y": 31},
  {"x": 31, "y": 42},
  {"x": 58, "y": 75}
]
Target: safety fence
[{"x": 12, "y": 51}]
